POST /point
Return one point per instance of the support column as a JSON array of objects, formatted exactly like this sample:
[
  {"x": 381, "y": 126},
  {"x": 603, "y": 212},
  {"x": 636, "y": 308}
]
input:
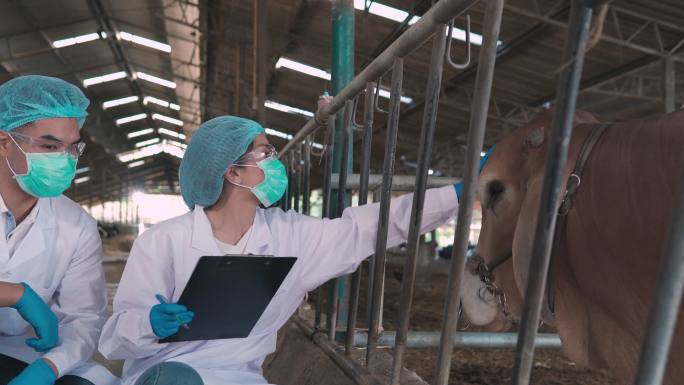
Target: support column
[
  {"x": 669, "y": 81},
  {"x": 260, "y": 57},
  {"x": 342, "y": 72}
]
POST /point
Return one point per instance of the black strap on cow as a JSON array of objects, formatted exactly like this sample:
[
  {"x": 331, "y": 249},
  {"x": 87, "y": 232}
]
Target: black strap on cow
[{"x": 571, "y": 187}]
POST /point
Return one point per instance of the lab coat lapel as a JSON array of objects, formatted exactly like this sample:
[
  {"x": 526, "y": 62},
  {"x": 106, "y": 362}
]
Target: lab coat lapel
[
  {"x": 39, "y": 236},
  {"x": 261, "y": 241}
]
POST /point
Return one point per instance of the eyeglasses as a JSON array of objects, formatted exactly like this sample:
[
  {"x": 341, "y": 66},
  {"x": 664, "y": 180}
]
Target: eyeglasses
[
  {"x": 49, "y": 145},
  {"x": 262, "y": 152}
]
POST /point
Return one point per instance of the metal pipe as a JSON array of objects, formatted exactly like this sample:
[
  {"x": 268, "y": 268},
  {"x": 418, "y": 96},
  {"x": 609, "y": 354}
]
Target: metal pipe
[
  {"x": 306, "y": 198},
  {"x": 260, "y": 53},
  {"x": 297, "y": 170},
  {"x": 478, "y": 125},
  {"x": 399, "y": 182},
  {"x": 461, "y": 340},
  {"x": 669, "y": 82},
  {"x": 355, "y": 286},
  {"x": 562, "y": 125},
  {"x": 432, "y": 93},
  {"x": 668, "y": 298},
  {"x": 327, "y": 198},
  {"x": 383, "y": 218},
  {"x": 415, "y": 36},
  {"x": 351, "y": 368},
  {"x": 338, "y": 296}
]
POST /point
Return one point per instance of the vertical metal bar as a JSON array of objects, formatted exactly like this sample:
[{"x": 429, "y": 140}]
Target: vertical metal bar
[
  {"x": 297, "y": 170},
  {"x": 568, "y": 85},
  {"x": 306, "y": 198},
  {"x": 371, "y": 278},
  {"x": 260, "y": 53},
  {"x": 383, "y": 218},
  {"x": 424, "y": 154},
  {"x": 669, "y": 81},
  {"x": 340, "y": 283},
  {"x": 288, "y": 192},
  {"x": 668, "y": 298},
  {"x": 355, "y": 286},
  {"x": 327, "y": 198},
  {"x": 476, "y": 134}
]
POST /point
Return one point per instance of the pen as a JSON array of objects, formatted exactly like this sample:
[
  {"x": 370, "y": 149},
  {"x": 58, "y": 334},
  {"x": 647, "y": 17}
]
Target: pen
[{"x": 161, "y": 299}]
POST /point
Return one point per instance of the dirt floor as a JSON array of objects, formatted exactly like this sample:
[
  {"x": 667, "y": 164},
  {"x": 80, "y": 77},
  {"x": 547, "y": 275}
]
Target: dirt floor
[{"x": 469, "y": 366}]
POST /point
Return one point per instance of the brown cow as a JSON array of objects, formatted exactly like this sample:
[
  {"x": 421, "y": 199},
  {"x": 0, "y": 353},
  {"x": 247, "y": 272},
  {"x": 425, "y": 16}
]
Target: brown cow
[{"x": 606, "y": 267}]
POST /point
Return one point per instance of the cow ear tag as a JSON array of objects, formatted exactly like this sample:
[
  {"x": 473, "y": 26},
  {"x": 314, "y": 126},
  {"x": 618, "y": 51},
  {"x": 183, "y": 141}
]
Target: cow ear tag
[{"x": 535, "y": 138}]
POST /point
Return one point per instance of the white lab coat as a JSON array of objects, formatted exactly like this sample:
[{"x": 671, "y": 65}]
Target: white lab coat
[
  {"x": 163, "y": 258},
  {"x": 60, "y": 257}
]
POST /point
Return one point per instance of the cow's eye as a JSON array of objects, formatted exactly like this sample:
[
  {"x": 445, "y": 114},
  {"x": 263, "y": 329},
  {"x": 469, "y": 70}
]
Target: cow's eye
[{"x": 495, "y": 190}]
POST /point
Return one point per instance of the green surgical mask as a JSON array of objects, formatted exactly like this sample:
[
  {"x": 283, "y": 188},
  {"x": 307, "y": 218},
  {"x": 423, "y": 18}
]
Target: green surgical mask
[
  {"x": 275, "y": 181},
  {"x": 48, "y": 175}
]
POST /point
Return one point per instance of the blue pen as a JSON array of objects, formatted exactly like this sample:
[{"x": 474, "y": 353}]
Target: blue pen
[{"x": 161, "y": 299}]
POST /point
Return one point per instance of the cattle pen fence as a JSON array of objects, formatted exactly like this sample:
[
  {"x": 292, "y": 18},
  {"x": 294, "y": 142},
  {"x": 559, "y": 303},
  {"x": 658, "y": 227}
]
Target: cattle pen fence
[{"x": 341, "y": 112}]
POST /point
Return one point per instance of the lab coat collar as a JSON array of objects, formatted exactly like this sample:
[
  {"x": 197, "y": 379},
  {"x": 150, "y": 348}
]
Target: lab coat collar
[
  {"x": 42, "y": 214},
  {"x": 203, "y": 236}
]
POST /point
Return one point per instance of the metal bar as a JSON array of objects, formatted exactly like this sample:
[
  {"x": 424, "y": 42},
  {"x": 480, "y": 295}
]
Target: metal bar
[
  {"x": 383, "y": 218},
  {"x": 440, "y": 13},
  {"x": 461, "y": 339},
  {"x": 568, "y": 88},
  {"x": 327, "y": 197},
  {"x": 260, "y": 53},
  {"x": 669, "y": 81},
  {"x": 399, "y": 182},
  {"x": 340, "y": 283},
  {"x": 478, "y": 124},
  {"x": 356, "y": 372},
  {"x": 355, "y": 286},
  {"x": 432, "y": 93},
  {"x": 668, "y": 298},
  {"x": 306, "y": 198},
  {"x": 297, "y": 170},
  {"x": 333, "y": 305}
]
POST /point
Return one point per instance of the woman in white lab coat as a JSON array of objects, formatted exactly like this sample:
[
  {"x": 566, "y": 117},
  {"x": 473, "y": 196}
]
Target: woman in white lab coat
[
  {"x": 47, "y": 242},
  {"x": 229, "y": 170}
]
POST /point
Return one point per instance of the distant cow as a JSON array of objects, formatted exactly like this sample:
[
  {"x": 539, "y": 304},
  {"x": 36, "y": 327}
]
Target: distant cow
[{"x": 606, "y": 265}]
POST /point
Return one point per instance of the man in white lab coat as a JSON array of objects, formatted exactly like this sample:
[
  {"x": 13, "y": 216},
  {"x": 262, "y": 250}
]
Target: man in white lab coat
[
  {"x": 228, "y": 172},
  {"x": 47, "y": 242}
]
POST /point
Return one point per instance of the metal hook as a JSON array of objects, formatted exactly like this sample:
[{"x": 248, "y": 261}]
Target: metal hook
[
  {"x": 447, "y": 55},
  {"x": 377, "y": 96},
  {"x": 356, "y": 105}
]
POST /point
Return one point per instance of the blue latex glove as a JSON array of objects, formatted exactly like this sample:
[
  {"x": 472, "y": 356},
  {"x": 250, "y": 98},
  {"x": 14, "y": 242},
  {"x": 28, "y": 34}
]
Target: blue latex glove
[
  {"x": 38, "y": 373},
  {"x": 459, "y": 185},
  {"x": 167, "y": 318},
  {"x": 36, "y": 312}
]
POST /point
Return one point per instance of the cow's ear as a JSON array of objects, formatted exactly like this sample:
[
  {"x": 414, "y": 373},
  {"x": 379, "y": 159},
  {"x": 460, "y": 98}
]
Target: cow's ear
[{"x": 535, "y": 138}]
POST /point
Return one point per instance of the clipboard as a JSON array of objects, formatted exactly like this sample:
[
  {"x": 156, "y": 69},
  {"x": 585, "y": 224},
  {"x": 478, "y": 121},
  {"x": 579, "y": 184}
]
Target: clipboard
[{"x": 228, "y": 295}]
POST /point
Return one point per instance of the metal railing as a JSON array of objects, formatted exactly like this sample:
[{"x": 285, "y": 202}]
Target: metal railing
[{"x": 298, "y": 153}]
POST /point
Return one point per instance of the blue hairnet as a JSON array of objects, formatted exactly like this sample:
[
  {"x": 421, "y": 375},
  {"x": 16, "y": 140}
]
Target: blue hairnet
[
  {"x": 26, "y": 99},
  {"x": 216, "y": 145}
]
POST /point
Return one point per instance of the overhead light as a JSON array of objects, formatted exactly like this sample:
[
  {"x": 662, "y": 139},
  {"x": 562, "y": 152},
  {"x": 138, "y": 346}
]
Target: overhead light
[
  {"x": 171, "y": 133},
  {"x": 386, "y": 94},
  {"x": 119, "y": 102},
  {"x": 167, "y": 119},
  {"x": 285, "y": 108},
  {"x": 482, "y": 153},
  {"x": 395, "y": 14},
  {"x": 160, "y": 102},
  {"x": 147, "y": 142},
  {"x": 303, "y": 68},
  {"x": 81, "y": 180},
  {"x": 155, "y": 80},
  {"x": 135, "y": 134},
  {"x": 129, "y": 119},
  {"x": 141, "y": 153},
  {"x": 286, "y": 136},
  {"x": 75, "y": 40},
  {"x": 82, "y": 170},
  {"x": 174, "y": 148},
  {"x": 104, "y": 78},
  {"x": 144, "y": 41},
  {"x": 431, "y": 172},
  {"x": 136, "y": 163}
]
